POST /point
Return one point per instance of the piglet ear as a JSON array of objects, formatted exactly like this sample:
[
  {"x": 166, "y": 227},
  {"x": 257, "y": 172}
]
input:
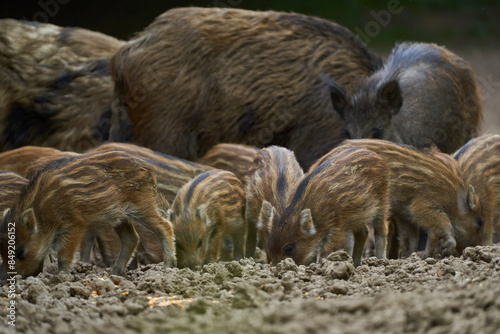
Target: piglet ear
[
  {"x": 29, "y": 220},
  {"x": 266, "y": 216},
  {"x": 170, "y": 215},
  {"x": 306, "y": 223},
  {"x": 202, "y": 214},
  {"x": 390, "y": 95},
  {"x": 471, "y": 197}
]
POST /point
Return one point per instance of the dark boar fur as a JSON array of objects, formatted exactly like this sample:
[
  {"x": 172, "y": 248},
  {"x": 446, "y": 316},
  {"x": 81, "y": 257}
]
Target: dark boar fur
[
  {"x": 205, "y": 209},
  {"x": 74, "y": 196},
  {"x": 426, "y": 191},
  {"x": 479, "y": 163},
  {"x": 55, "y": 86},
  {"x": 201, "y": 76},
  {"x": 235, "y": 158},
  {"x": 24, "y": 160},
  {"x": 424, "y": 96},
  {"x": 339, "y": 197},
  {"x": 272, "y": 178}
]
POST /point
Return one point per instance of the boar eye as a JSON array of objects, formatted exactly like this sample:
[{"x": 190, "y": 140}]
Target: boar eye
[
  {"x": 479, "y": 222},
  {"x": 21, "y": 253},
  {"x": 178, "y": 246},
  {"x": 200, "y": 244},
  {"x": 378, "y": 133},
  {"x": 290, "y": 249}
]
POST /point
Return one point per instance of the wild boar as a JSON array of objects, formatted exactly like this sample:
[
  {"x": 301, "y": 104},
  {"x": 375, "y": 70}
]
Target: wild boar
[
  {"x": 205, "y": 209},
  {"x": 56, "y": 89},
  {"x": 341, "y": 196},
  {"x": 171, "y": 174},
  {"x": 426, "y": 191},
  {"x": 72, "y": 197},
  {"x": 22, "y": 160},
  {"x": 197, "y": 77},
  {"x": 235, "y": 158},
  {"x": 423, "y": 96},
  {"x": 479, "y": 163},
  {"x": 271, "y": 179},
  {"x": 11, "y": 185}
]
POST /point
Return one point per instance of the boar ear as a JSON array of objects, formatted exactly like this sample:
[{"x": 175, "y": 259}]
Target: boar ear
[
  {"x": 6, "y": 212},
  {"x": 390, "y": 95},
  {"x": 202, "y": 214},
  {"x": 170, "y": 215},
  {"x": 306, "y": 223},
  {"x": 337, "y": 95},
  {"x": 29, "y": 220},
  {"x": 471, "y": 197},
  {"x": 266, "y": 216}
]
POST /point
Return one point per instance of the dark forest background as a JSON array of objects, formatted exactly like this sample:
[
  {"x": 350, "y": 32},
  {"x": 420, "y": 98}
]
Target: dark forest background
[{"x": 456, "y": 24}]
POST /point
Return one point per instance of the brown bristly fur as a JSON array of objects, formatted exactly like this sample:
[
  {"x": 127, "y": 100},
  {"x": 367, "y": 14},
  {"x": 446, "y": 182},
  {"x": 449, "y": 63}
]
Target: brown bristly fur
[
  {"x": 75, "y": 196},
  {"x": 235, "y": 158},
  {"x": 342, "y": 195},
  {"x": 424, "y": 95},
  {"x": 185, "y": 84},
  {"x": 479, "y": 163},
  {"x": 11, "y": 185},
  {"x": 272, "y": 177},
  {"x": 25, "y": 160},
  {"x": 204, "y": 211},
  {"x": 426, "y": 191},
  {"x": 56, "y": 88}
]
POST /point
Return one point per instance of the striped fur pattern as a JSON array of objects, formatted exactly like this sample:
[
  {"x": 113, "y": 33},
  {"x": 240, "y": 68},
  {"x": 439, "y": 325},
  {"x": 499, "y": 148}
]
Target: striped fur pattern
[
  {"x": 56, "y": 88},
  {"x": 479, "y": 163},
  {"x": 236, "y": 158},
  {"x": 11, "y": 185},
  {"x": 204, "y": 211},
  {"x": 171, "y": 174},
  {"x": 184, "y": 85},
  {"x": 426, "y": 191},
  {"x": 74, "y": 196},
  {"x": 342, "y": 195},
  {"x": 272, "y": 178},
  {"x": 26, "y": 160},
  {"x": 423, "y": 96}
]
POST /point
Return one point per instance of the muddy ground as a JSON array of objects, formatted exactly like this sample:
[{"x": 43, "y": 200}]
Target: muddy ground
[{"x": 453, "y": 295}]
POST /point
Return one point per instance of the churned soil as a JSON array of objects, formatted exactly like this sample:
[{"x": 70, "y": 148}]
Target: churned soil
[{"x": 451, "y": 295}]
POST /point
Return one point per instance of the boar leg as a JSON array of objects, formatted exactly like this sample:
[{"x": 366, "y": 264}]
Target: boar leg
[
  {"x": 71, "y": 241},
  {"x": 380, "y": 231},
  {"x": 496, "y": 228},
  {"x": 348, "y": 242},
  {"x": 251, "y": 242},
  {"x": 128, "y": 243},
  {"x": 214, "y": 245},
  {"x": 163, "y": 230},
  {"x": 239, "y": 237},
  {"x": 86, "y": 246},
  {"x": 408, "y": 237},
  {"x": 226, "y": 251},
  {"x": 392, "y": 240},
  {"x": 359, "y": 244}
]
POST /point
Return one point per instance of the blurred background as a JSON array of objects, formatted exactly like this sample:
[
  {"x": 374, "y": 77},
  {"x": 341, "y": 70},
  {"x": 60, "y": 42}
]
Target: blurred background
[{"x": 469, "y": 28}]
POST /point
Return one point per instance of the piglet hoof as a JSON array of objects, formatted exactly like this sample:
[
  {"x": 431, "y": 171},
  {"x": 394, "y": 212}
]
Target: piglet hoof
[
  {"x": 117, "y": 271},
  {"x": 170, "y": 263},
  {"x": 449, "y": 247}
]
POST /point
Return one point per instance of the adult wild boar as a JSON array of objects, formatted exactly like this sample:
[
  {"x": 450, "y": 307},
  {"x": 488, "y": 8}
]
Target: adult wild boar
[
  {"x": 424, "y": 96},
  {"x": 55, "y": 87},
  {"x": 201, "y": 76}
]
